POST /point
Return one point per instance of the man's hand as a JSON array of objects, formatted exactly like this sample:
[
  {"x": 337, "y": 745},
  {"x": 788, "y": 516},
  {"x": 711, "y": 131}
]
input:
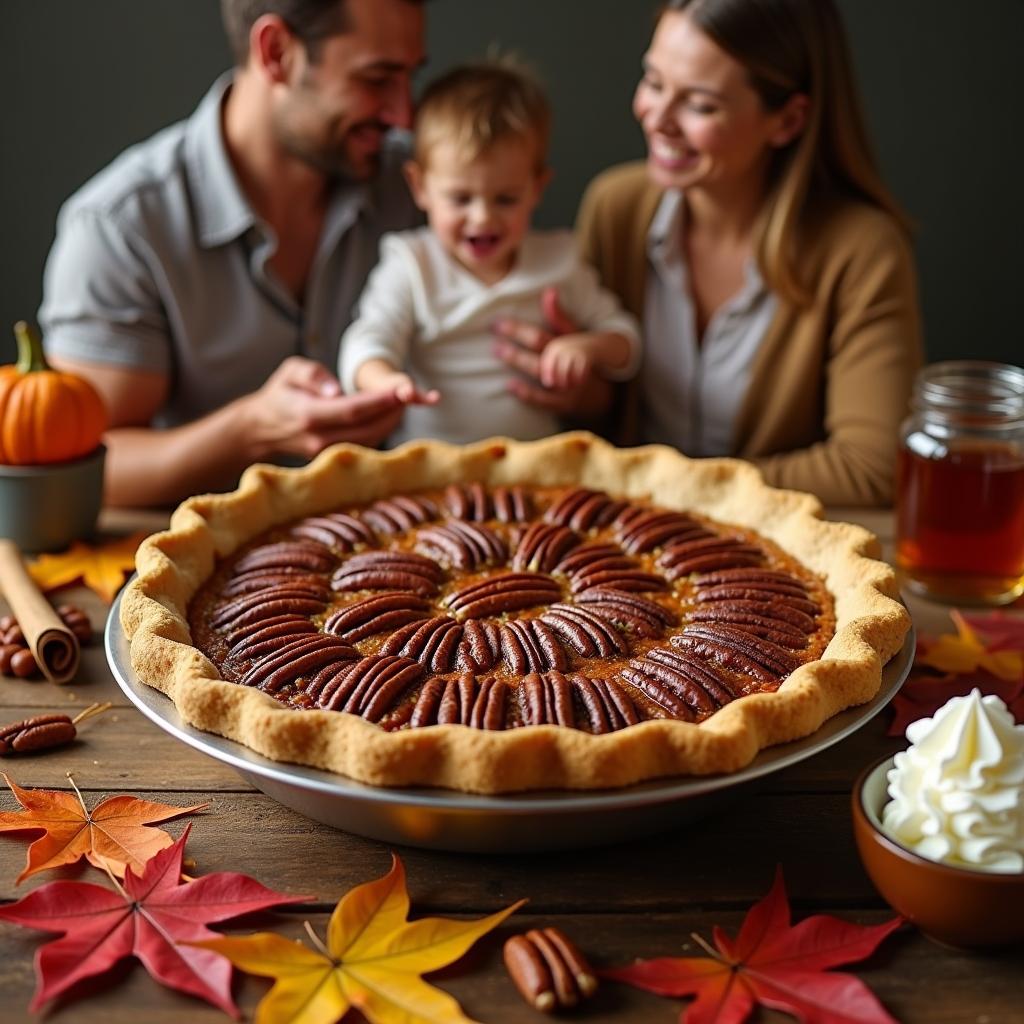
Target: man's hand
[
  {"x": 301, "y": 410},
  {"x": 519, "y": 345}
]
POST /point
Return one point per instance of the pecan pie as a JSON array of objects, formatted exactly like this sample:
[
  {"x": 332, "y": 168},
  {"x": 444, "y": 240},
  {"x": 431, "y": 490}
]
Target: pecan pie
[{"x": 511, "y": 616}]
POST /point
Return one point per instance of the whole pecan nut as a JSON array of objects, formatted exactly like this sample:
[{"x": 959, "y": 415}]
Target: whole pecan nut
[
  {"x": 548, "y": 969},
  {"x": 39, "y": 733}
]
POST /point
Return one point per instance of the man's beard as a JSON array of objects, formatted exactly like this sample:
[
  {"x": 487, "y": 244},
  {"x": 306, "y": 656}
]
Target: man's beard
[{"x": 330, "y": 159}]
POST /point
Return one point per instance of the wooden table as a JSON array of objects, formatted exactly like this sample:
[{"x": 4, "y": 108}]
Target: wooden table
[{"x": 636, "y": 900}]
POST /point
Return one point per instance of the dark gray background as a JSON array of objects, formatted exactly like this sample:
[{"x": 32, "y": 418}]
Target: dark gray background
[{"x": 942, "y": 82}]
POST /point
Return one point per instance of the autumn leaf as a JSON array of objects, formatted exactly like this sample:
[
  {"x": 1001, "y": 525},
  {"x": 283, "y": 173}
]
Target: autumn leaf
[
  {"x": 113, "y": 834},
  {"x": 772, "y": 963},
  {"x": 103, "y": 568},
  {"x": 965, "y": 652},
  {"x": 372, "y": 961},
  {"x": 923, "y": 694},
  {"x": 146, "y": 919},
  {"x": 986, "y": 653}
]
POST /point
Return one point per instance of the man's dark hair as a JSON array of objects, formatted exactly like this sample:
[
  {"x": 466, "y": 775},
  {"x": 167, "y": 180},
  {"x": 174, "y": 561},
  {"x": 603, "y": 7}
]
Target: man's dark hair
[{"x": 310, "y": 21}]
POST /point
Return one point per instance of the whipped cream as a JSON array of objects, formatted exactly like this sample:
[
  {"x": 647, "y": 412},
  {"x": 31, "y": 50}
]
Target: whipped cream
[{"x": 957, "y": 794}]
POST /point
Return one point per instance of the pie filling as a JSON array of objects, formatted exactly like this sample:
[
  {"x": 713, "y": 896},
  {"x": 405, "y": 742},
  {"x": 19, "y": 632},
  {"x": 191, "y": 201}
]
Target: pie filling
[{"x": 508, "y": 606}]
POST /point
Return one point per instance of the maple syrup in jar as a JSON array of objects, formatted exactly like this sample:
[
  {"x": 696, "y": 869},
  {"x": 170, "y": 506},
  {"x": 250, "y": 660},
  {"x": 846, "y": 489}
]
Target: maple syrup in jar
[{"x": 960, "y": 484}]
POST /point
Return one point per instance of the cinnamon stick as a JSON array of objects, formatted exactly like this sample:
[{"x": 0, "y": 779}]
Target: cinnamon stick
[{"x": 54, "y": 645}]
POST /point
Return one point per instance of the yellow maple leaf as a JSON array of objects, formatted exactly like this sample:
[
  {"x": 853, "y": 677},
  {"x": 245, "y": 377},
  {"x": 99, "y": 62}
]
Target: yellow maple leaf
[
  {"x": 103, "y": 568},
  {"x": 966, "y": 653},
  {"x": 372, "y": 961}
]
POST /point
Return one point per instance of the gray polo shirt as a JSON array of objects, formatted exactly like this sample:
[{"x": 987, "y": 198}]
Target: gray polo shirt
[
  {"x": 693, "y": 387},
  {"x": 160, "y": 264}
]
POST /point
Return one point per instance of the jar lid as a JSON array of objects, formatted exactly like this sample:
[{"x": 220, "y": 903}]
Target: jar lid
[{"x": 974, "y": 388}]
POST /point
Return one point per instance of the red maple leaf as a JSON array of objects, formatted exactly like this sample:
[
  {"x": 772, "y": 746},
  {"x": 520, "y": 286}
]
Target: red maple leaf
[
  {"x": 146, "y": 919},
  {"x": 774, "y": 963},
  {"x": 924, "y": 693},
  {"x": 1001, "y": 632}
]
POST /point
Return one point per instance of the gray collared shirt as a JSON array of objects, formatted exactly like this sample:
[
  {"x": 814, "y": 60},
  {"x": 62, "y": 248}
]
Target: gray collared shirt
[
  {"x": 160, "y": 264},
  {"x": 693, "y": 388}
]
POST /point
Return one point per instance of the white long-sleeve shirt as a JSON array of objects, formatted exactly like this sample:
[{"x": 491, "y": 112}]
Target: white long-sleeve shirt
[{"x": 425, "y": 314}]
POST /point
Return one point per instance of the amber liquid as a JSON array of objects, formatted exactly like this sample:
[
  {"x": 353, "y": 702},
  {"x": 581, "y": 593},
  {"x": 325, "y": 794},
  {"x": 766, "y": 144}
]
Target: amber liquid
[{"x": 960, "y": 521}]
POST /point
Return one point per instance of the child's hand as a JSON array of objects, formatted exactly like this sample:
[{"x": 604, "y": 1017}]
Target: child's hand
[
  {"x": 402, "y": 386},
  {"x": 565, "y": 363}
]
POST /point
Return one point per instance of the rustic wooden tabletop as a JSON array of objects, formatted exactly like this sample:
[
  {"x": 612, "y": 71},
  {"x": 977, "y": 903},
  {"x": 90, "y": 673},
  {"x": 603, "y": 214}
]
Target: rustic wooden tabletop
[{"x": 641, "y": 899}]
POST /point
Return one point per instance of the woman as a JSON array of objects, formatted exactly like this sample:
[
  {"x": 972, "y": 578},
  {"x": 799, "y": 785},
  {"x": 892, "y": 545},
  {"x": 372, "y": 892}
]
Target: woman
[{"x": 769, "y": 265}]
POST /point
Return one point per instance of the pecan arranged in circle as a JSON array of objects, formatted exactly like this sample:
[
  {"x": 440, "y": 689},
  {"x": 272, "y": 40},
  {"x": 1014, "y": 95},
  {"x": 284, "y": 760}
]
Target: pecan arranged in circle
[
  {"x": 287, "y": 556},
  {"x": 463, "y": 545},
  {"x": 505, "y": 592},
  {"x": 388, "y": 570},
  {"x": 581, "y": 509},
  {"x": 472, "y": 502},
  {"x": 704, "y": 554},
  {"x": 335, "y": 530},
  {"x": 491, "y": 607},
  {"x": 400, "y": 513}
]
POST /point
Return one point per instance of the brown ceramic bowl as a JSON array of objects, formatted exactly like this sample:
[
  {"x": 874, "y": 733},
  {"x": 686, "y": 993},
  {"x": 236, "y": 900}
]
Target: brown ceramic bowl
[{"x": 953, "y": 905}]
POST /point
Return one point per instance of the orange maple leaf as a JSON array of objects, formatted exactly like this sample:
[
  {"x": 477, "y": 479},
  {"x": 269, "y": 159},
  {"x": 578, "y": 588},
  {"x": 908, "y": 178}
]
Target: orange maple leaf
[
  {"x": 372, "y": 960},
  {"x": 112, "y": 835},
  {"x": 103, "y": 568}
]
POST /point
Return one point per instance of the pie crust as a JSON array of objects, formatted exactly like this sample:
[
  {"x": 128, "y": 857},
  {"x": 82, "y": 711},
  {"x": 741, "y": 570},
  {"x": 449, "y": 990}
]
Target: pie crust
[{"x": 207, "y": 531}]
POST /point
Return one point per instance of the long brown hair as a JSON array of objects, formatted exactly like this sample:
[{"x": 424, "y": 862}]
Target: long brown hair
[{"x": 799, "y": 46}]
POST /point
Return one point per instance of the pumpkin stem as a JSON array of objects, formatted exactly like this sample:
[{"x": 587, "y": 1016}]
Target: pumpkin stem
[{"x": 30, "y": 349}]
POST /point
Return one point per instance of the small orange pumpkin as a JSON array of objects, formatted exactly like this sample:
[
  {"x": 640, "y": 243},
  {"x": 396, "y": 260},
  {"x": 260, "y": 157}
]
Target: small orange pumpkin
[{"x": 45, "y": 415}]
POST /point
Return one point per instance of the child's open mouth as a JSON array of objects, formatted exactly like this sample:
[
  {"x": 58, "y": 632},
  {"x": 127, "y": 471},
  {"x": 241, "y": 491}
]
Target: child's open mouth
[{"x": 482, "y": 246}]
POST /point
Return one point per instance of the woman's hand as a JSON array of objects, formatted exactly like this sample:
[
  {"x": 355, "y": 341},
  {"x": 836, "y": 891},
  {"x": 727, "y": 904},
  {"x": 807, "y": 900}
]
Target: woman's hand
[{"x": 519, "y": 345}]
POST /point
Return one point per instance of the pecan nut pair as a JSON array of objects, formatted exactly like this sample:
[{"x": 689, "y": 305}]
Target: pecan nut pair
[{"x": 548, "y": 969}]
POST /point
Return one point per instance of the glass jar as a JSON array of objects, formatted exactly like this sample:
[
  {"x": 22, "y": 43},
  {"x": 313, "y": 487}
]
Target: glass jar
[{"x": 960, "y": 484}]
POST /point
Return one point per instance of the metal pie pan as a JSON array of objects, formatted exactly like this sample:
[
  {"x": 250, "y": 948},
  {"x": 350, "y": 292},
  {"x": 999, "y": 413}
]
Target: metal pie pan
[{"x": 443, "y": 819}]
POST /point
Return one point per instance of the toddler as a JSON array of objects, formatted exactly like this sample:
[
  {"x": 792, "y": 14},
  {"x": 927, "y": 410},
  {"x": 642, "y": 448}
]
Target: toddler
[{"x": 425, "y": 324}]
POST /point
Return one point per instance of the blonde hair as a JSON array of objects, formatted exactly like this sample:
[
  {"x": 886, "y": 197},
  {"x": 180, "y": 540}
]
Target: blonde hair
[
  {"x": 478, "y": 105},
  {"x": 790, "y": 47}
]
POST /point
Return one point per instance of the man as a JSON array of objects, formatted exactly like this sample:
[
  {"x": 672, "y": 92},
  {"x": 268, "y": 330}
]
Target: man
[{"x": 203, "y": 280}]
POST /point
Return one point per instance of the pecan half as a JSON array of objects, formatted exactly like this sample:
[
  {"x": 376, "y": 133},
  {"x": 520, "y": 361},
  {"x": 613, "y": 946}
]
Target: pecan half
[
  {"x": 588, "y": 634},
  {"x": 301, "y": 658},
  {"x": 335, "y": 530},
  {"x": 543, "y": 546},
  {"x": 776, "y": 613},
  {"x": 289, "y": 555},
  {"x": 462, "y": 545},
  {"x": 371, "y": 615},
  {"x": 369, "y": 688},
  {"x": 618, "y": 579},
  {"x": 271, "y": 635},
  {"x": 480, "y": 647},
  {"x": 628, "y": 611},
  {"x": 775, "y": 595},
  {"x": 432, "y": 643},
  {"x": 461, "y": 701},
  {"x": 607, "y": 706},
  {"x": 548, "y": 969},
  {"x": 388, "y": 570},
  {"x": 400, "y": 513},
  {"x": 581, "y": 509},
  {"x": 528, "y": 645},
  {"x": 256, "y": 580},
  {"x": 706, "y": 554},
  {"x": 736, "y": 650},
  {"x": 505, "y": 592},
  {"x": 265, "y": 604},
  {"x": 646, "y": 529},
  {"x": 546, "y": 699}
]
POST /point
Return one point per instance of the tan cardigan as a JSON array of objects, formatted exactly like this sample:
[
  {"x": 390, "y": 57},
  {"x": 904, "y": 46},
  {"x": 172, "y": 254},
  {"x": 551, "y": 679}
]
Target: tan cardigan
[{"x": 831, "y": 381}]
